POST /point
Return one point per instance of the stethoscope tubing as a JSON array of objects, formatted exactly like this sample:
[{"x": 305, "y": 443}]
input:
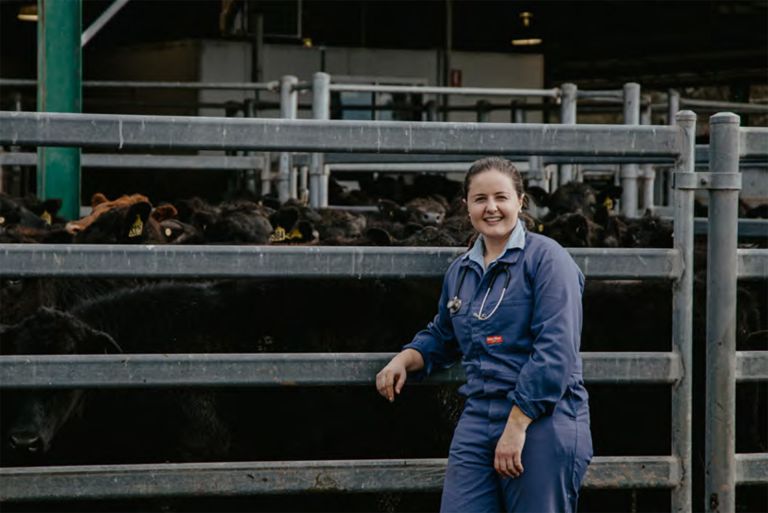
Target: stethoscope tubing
[{"x": 454, "y": 304}]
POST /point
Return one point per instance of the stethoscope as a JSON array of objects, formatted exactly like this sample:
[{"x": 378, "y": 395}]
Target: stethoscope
[{"x": 454, "y": 304}]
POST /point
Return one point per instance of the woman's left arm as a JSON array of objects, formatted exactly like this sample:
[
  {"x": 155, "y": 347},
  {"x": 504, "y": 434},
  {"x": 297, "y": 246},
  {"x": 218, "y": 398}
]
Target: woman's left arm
[{"x": 556, "y": 327}]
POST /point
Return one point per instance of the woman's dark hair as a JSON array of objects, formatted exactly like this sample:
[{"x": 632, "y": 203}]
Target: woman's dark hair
[{"x": 499, "y": 164}]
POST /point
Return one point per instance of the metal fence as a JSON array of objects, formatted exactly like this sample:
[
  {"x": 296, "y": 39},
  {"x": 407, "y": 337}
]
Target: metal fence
[{"x": 118, "y": 132}]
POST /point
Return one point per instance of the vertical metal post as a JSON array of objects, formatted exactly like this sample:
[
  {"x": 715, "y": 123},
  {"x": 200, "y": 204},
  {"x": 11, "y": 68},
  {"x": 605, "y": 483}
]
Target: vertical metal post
[
  {"x": 518, "y": 114},
  {"x": 629, "y": 171},
  {"x": 249, "y": 175},
  {"x": 256, "y": 23},
  {"x": 483, "y": 111},
  {"x": 673, "y": 107},
  {"x": 59, "y": 89},
  {"x": 567, "y": 117},
  {"x": 446, "y": 98},
  {"x": 647, "y": 175},
  {"x": 321, "y": 109},
  {"x": 431, "y": 110},
  {"x": 682, "y": 316},
  {"x": 286, "y": 176},
  {"x": 722, "y": 264}
]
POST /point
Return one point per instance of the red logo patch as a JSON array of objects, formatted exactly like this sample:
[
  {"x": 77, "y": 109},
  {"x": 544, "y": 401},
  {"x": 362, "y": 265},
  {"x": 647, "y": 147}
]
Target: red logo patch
[{"x": 494, "y": 339}]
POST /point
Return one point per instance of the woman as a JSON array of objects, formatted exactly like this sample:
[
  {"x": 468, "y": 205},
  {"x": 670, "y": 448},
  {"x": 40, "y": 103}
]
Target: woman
[{"x": 511, "y": 309}]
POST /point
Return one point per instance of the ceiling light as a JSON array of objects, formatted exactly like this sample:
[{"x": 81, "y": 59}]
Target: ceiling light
[
  {"x": 27, "y": 13},
  {"x": 533, "y": 41},
  {"x": 525, "y": 35}
]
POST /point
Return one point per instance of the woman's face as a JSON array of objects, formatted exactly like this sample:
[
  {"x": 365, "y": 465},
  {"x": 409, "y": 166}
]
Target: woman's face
[{"x": 493, "y": 204}]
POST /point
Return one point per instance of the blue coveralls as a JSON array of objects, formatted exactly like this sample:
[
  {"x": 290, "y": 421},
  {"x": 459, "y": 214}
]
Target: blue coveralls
[{"x": 525, "y": 354}]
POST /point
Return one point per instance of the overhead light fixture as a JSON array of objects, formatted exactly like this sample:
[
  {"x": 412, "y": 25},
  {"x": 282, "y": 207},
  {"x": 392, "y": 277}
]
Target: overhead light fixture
[
  {"x": 525, "y": 35},
  {"x": 27, "y": 13}
]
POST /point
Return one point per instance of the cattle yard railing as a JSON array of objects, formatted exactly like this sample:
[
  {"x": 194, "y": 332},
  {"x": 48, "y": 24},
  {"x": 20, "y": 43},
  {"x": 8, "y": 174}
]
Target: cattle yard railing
[
  {"x": 724, "y": 469},
  {"x": 122, "y": 132}
]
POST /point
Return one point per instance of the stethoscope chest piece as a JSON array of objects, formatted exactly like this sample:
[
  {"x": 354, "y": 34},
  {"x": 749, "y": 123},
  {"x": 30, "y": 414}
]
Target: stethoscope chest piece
[{"x": 454, "y": 304}]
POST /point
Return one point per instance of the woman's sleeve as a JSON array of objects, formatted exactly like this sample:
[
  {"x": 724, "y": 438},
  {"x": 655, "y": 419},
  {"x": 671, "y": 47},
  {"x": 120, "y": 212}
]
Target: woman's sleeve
[
  {"x": 556, "y": 327},
  {"x": 437, "y": 342}
]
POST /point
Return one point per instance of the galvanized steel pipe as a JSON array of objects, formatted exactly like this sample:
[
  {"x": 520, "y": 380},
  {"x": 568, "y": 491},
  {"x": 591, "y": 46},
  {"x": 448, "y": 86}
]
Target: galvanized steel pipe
[
  {"x": 682, "y": 316},
  {"x": 567, "y": 117},
  {"x": 720, "y": 432},
  {"x": 628, "y": 172},
  {"x": 286, "y": 176},
  {"x": 321, "y": 109}
]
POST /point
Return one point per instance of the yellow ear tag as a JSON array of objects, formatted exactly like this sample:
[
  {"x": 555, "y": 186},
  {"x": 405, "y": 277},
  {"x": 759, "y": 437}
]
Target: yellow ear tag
[
  {"x": 45, "y": 216},
  {"x": 278, "y": 235},
  {"x": 168, "y": 232},
  {"x": 137, "y": 227},
  {"x": 2, "y": 220},
  {"x": 608, "y": 203},
  {"x": 295, "y": 234},
  {"x": 540, "y": 227}
]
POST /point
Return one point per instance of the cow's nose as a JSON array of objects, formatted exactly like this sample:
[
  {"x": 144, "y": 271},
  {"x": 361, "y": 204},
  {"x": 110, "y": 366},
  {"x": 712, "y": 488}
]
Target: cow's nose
[{"x": 27, "y": 441}]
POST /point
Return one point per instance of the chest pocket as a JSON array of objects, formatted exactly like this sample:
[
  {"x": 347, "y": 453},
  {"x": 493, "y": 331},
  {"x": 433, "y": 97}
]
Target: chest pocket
[{"x": 509, "y": 329}]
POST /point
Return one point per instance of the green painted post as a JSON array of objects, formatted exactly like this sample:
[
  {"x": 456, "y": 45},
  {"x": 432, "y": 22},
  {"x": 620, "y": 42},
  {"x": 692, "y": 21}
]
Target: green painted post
[{"x": 59, "y": 89}]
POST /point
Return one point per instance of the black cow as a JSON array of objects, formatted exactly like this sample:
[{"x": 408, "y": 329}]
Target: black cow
[{"x": 242, "y": 316}]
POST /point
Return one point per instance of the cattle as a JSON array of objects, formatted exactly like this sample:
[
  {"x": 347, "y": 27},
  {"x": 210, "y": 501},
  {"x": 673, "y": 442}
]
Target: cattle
[
  {"x": 125, "y": 220},
  {"x": 232, "y": 316},
  {"x": 13, "y": 212}
]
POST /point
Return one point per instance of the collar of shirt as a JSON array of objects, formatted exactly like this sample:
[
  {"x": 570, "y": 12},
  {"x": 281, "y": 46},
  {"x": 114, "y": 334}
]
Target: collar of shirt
[{"x": 516, "y": 240}]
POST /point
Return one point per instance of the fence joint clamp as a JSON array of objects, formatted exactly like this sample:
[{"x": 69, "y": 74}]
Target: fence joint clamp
[{"x": 711, "y": 181}]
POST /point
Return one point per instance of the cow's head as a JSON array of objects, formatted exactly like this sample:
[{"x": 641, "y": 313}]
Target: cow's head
[
  {"x": 42, "y": 413},
  {"x": 125, "y": 220}
]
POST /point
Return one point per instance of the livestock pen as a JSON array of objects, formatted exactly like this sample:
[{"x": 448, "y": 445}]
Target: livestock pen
[{"x": 672, "y": 472}]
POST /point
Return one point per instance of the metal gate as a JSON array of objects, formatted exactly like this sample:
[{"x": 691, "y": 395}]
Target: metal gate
[{"x": 675, "y": 143}]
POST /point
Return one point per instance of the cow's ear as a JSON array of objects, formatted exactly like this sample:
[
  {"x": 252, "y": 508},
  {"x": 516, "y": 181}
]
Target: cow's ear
[
  {"x": 539, "y": 196},
  {"x": 97, "y": 199},
  {"x": 164, "y": 211},
  {"x": 137, "y": 217},
  {"x": 52, "y": 205}
]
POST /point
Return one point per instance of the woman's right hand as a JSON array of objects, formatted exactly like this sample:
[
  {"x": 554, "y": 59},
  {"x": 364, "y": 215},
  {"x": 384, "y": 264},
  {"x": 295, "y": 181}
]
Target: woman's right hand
[{"x": 390, "y": 379}]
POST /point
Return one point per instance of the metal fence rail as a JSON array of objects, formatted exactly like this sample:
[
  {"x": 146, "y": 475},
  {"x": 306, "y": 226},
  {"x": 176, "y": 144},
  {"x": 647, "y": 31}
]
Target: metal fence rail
[
  {"x": 128, "y": 132},
  {"x": 296, "y": 261},
  {"x": 141, "y": 162},
  {"x": 275, "y": 369},
  {"x": 248, "y": 478}
]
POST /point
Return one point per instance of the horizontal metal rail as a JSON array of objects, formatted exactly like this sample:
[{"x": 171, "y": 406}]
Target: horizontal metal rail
[
  {"x": 280, "y": 369},
  {"x": 128, "y": 132},
  {"x": 753, "y": 264},
  {"x": 716, "y": 105},
  {"x": 473, "y": 91},
  {"x": 746, "y": 227},
  {"x": 384, "y": 158},
  {"x": 289, "y": 477},
  {"x": 596, "y": 93},
  {"x": 140, "y": 162},
  {"x": 752, "y": 468},
  {"x": 108, "y": 260},
  {"x": 273, "y": 85},
  {"x": 753, "y": 142},
  {"x": 751, "y": 366}
]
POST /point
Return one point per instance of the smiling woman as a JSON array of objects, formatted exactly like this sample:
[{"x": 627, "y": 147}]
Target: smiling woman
[{"x": 523, "y": 442}]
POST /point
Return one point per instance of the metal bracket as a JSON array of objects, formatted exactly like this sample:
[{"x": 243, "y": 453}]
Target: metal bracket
[{"x": 713, "y": 181}]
